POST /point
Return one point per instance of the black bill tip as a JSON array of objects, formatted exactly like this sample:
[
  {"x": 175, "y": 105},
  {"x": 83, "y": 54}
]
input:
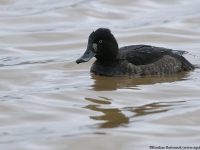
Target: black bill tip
[{"x": 78, "y": 61}]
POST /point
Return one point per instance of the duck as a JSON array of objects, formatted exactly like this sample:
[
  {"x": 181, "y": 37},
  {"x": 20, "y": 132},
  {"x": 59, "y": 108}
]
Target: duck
[{"x": 132, "y": 60}]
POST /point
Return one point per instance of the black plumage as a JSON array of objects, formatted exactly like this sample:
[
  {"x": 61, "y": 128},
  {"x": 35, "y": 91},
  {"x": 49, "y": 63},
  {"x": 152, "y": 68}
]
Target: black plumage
[{"x": 131, "y": 60}]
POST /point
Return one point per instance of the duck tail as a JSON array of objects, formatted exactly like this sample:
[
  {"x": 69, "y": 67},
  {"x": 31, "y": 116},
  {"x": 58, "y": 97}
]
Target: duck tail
[{"x": 186, "y": 65}]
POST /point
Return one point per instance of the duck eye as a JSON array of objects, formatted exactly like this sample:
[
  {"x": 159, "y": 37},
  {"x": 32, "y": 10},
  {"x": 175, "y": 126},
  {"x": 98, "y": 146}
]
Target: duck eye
[{"x": 100, "y": 41}]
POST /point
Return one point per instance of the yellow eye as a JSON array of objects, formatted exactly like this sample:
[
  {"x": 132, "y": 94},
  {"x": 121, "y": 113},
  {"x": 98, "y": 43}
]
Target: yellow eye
[{"x": 100, "y": 41}]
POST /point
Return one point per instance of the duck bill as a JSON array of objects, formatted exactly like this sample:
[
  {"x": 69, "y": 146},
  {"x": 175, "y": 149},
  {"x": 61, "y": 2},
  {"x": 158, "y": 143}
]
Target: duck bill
[{"x": 86, "y": 56}]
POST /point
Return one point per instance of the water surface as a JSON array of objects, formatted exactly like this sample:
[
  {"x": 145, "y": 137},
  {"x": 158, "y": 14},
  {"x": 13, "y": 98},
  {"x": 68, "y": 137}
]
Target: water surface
[{"x": 47, "y": 101}]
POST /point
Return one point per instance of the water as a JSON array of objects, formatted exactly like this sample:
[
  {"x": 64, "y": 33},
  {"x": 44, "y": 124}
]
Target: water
[{"x": 47, "y": 101}]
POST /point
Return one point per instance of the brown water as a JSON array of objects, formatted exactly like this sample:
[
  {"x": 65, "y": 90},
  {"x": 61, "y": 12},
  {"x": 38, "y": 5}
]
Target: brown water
[{"x": 49, "y": 102}]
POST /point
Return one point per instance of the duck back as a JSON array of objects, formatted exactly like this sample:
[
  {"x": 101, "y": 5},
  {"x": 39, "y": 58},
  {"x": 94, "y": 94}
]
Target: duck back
[{"x": 143, "y": 60}]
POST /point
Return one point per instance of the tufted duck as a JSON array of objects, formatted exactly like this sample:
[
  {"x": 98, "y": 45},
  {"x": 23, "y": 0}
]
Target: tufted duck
[{"x": 131, "y": 60}]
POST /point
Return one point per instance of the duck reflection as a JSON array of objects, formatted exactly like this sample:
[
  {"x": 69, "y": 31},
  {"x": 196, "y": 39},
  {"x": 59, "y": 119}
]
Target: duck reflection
[
  {"x": 115, "y": 117},
  {"x": 102, "y": 83}
]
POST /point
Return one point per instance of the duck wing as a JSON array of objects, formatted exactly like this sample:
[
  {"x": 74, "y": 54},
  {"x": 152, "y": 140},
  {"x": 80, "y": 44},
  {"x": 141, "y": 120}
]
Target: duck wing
[{"x": 145, "y": 54}]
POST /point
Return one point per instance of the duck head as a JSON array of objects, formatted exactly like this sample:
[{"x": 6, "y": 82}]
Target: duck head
[{"x": 102, "y": 45}]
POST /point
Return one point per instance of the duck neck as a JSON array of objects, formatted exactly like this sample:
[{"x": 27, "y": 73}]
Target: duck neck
[
  {"x": 110, "y": 61},
  {"x": 108, "y": 55}
]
